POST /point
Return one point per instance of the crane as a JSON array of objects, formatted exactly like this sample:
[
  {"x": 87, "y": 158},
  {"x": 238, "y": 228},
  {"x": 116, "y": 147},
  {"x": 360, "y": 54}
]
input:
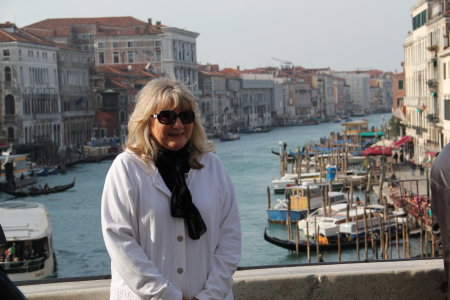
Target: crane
[{"x": 287, "y": 65}]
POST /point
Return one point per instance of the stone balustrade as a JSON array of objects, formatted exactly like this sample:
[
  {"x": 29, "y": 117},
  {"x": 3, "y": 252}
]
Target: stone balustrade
[{"x": 405, "y": 279}]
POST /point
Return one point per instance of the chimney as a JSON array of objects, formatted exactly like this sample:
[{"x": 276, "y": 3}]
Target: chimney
[
  {"x": 149, "y": 21},
  {"x": 238, "y": 68},
  {"x": 158, "y": 23}
]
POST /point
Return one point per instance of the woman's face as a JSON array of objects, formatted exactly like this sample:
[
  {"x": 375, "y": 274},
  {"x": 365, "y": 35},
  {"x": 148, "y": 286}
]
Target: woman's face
[{"x": 172, "y": 137}]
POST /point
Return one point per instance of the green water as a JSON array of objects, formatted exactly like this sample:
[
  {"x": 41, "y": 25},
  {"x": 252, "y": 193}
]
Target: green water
[{"x": 75, "y": 214}]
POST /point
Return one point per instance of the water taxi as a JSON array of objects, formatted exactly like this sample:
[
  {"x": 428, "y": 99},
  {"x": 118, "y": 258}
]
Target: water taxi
[{"x": 29, "y": 253}]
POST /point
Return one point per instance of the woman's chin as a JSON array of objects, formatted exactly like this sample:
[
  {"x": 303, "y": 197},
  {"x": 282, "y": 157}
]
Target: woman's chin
[{"x": 176, "y": 145}]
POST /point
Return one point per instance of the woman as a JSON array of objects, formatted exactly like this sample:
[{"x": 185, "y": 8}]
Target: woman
[{"x": 170, "y": 219}]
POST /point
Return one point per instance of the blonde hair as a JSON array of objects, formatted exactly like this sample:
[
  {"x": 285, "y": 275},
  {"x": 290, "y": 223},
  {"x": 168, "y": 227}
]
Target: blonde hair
[{"x": 164, "y": 93}]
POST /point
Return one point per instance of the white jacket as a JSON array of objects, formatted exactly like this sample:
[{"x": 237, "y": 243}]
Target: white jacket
[{"x": 152, "y": 255}]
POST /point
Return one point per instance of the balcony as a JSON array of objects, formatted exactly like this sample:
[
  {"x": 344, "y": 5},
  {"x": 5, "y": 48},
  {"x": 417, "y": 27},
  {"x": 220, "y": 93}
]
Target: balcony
[
  {"x": 432, "y": 143},
  {"x": 419, "y": 130},
  {"x": 432, "y": 83},
  {"x": 433, "y": 48},
  {"x": 10, "y": 119},
  {"x": 432, "y": 118},
  {"x": 411, "y": 101},
  {"x": 220, "y": 92}
]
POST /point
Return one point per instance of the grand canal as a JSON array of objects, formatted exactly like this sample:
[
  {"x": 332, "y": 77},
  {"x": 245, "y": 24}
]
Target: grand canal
[{"x": 75, "y": 214}]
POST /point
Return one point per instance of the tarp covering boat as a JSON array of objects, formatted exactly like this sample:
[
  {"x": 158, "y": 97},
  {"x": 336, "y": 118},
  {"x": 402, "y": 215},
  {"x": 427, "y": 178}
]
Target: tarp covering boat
[{"x": 372, "y": 134}]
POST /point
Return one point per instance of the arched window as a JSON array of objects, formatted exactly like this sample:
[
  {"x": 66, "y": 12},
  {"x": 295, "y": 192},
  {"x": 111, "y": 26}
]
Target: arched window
[
  {"x": 99, "y": 101},
  {"x": 10, "y": 133},
  {"x": 9, "y": 105},
  {"x": 122, "y": 116},
  {"x": 7, "y": 74}
]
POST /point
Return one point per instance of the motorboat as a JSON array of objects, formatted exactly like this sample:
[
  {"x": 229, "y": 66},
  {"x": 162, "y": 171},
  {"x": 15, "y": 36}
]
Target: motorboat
[
  {"x": 298, "y": 205},
  {"x": 335, "y": 231},
  {"x": 29, "y": 253},
  {"x": 289, "y": 179},
  {"x": 346, "y": 223},
  {"x": 227, "y": 137}
]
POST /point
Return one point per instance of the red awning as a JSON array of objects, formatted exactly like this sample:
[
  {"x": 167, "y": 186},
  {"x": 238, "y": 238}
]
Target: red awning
[
  {"x": 432, "y": 153},
  {"x": 377, "y": 150},
  {"x": 401, "y": 141}
]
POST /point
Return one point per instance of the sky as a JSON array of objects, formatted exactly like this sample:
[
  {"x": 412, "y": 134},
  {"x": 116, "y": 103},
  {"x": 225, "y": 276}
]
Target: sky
[{"x": 342, "y": 35}]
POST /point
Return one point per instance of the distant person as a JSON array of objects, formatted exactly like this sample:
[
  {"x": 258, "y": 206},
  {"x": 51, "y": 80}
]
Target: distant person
[
  {"x": 401, "y": 157},
  {"x": 169, "y": 212},
  {"x": 395, "y": 157},
  {"x": 413, "y": 168},
  {"x": 440, "y": 195}
]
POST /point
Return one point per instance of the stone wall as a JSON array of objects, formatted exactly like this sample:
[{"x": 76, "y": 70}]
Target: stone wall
[{"x": 409, "y": 279}]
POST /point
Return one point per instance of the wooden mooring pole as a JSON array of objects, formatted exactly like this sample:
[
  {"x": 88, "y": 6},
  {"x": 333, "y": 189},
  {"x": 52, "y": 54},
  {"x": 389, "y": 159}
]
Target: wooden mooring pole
[
  {"x": 357, "y": 234},
  {"x": 339, "y": 244},
  {"x": 297, "y": 240},
  {"x": 308, "y": 246},
  {"x": 381, "y": 237},
  {"x": 317, "y": 244},
  {"x": 366, "y": 248},
  {"x": 396, "y": 237}
]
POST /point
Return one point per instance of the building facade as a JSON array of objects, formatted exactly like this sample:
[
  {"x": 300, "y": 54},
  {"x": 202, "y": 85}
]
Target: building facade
[
  {"x": 359, "y": 83},
  {"x": 126, "y": 40},
  {"x": 427, "y": 115},
  {"x": 31, "y": 111}
]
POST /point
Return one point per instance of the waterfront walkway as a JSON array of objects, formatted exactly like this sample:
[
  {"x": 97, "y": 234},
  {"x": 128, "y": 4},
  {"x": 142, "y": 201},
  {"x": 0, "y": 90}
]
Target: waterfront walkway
[{"x": 404, "y": 173}]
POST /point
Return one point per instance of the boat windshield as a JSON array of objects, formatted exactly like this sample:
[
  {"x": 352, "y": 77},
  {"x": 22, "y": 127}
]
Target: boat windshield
[{"x": 24, "y": 256}]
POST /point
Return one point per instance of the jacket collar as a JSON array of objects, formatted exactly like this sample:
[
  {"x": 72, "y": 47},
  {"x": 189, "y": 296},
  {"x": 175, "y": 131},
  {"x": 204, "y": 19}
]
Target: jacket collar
[{"x": 152, "y": 171}]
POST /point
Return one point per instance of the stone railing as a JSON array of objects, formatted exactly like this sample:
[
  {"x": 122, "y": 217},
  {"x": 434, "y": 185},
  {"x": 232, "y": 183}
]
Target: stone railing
[{"x": 404, "y": 279}]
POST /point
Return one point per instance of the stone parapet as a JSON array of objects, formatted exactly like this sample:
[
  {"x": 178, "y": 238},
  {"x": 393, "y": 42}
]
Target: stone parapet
[{"x": 406, "y": 279}]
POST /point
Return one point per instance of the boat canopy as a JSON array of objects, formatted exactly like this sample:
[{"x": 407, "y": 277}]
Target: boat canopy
[
  {"x": 24, "y": 220},
  {"x": 372, "y": 134}
]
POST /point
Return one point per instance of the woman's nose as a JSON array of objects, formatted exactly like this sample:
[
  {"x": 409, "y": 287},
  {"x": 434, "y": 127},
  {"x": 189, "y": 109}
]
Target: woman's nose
[{"x": 178, "y": 123}]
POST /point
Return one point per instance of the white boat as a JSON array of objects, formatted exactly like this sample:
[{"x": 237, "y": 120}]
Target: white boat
[
  {"x": 331, "y": 224},
  {"x": 336, "y": 222},
  {"x": 297, "y": 197},
  {"x": 289, "y": 179},
  {"x": 29, "y": 253}
]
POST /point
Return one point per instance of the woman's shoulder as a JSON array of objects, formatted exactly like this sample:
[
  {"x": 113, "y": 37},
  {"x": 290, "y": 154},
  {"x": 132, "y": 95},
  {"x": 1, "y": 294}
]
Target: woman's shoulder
[
  {"x": 126, "y": 156},
  {"x": 129, "y": 159},
  {"x": 211, "y": 161},
  {"x": 209, "y": 157}
]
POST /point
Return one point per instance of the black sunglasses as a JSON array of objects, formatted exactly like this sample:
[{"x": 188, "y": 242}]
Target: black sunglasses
[{"x": 169, "y": 117}]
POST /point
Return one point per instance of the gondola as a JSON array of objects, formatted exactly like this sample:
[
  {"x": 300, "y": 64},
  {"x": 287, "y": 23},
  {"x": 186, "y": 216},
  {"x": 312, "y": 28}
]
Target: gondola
[
  {"x": 302, "y": 245},
  {"x": 35, "y": 191}
]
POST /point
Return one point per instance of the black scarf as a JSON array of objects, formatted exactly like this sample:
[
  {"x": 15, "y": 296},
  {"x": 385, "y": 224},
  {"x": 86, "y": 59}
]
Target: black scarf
[{"x": 172, "y": 165}]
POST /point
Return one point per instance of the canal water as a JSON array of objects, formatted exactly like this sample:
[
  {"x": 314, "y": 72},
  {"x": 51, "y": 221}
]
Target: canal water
[{"x": 75, "y": 214}]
